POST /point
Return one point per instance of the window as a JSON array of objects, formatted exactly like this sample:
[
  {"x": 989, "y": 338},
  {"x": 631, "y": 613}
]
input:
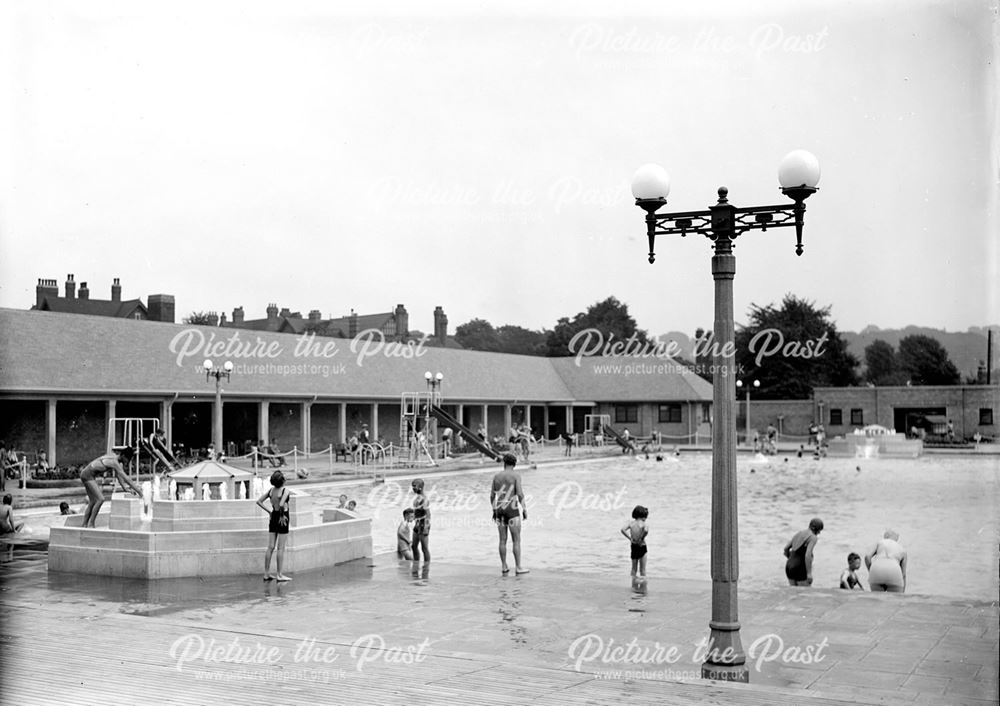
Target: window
[
  {"x": 857, "y": 418},
  {"x": 670, "y": 413},
  {"x": 836, "y": 417},
  {"x": 985, "y": 416},
  {"x": 626, "y": 414}
]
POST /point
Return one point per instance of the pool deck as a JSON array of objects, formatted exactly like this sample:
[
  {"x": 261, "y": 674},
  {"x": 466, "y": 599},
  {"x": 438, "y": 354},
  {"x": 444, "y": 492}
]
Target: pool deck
[{"x": 384, "y": 632}]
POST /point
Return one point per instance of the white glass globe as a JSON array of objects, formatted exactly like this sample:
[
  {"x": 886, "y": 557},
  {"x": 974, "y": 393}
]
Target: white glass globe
[
  {"x": 228, "y": 366},
  {"x": 207, "y": 364},
  {"x": 651, "y": 181},
  {"x": 798, "y": 168}
]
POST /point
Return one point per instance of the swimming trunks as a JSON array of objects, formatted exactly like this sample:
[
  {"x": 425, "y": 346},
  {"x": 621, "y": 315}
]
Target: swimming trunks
[
  {"x": 421, "y": 522},
  {"x": 795, "y": 567},
  {"x": 504, "y": 515},
  {"x": 638, "y": 551}
]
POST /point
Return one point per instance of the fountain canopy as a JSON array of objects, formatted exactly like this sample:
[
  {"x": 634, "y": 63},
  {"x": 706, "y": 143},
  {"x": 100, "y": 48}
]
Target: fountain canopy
[{"x": 215, "y": 475}]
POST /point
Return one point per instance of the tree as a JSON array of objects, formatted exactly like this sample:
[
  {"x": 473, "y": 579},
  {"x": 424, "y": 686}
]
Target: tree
[
  {"x": 926, "y": 361},
  {"x": 793, "y": 349},
  {"x": 478, "y": 335},
  {"x": 703, "y": 354},
  {"x": 198, "y": 318},
  {"x": 522, "y": 341},
  {"x": 882, "y": 364},
  {"x": 607, "y": 321}
]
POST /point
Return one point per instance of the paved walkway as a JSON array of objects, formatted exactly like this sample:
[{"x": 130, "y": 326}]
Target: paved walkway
[{"x": 380, "y": 631}]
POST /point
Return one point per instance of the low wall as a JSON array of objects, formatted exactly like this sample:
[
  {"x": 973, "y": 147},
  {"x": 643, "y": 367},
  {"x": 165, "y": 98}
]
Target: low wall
[{"x": 203, "y": 538}]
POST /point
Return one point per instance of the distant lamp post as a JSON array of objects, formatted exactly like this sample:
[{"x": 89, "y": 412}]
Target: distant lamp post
[
  {"x": 212, "y": 372},
  {"x": 755, "y": 385},
  {"x": 433, "y": 398},
  {"x": 722, "y": 223}
]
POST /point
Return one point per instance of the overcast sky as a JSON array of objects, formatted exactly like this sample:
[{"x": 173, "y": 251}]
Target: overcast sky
[{"x": 477, "y": 156}]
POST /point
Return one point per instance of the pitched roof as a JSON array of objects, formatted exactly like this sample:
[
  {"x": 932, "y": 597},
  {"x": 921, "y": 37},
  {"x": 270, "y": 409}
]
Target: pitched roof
[
  {"x": 631, "y": 379},
  {"x": 44, "y": 352},
  {"x": 94, "y": 307}
]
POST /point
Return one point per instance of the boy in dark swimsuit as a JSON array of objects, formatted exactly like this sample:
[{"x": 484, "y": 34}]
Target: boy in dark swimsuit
[
  {"x": 421, "y": 521},
  {"x": 507, "y": 501},
  {"x": 636, "y": 531}
]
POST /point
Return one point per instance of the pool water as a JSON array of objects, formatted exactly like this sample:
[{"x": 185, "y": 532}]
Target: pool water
[{"x": 944, "y": 508}]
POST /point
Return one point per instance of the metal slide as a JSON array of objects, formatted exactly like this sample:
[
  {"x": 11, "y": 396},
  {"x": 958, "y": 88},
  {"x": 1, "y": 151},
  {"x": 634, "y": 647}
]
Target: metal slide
[
  {"x": 449, "y": 421},
  {"x": 625, "y": 444}
]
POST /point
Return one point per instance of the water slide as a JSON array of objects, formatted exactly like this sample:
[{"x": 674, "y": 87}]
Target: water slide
[
  {"x": 622, "y": 441},
  {"x": 449, "y": 421}
]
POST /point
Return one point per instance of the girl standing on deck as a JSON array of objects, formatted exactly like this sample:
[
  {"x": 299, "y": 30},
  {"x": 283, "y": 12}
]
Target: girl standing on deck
[{"x": 277, "y": 526}]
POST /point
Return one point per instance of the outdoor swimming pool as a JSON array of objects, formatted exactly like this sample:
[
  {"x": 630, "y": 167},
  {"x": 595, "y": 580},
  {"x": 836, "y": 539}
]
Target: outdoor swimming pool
[{"x": 944, "y": 508}]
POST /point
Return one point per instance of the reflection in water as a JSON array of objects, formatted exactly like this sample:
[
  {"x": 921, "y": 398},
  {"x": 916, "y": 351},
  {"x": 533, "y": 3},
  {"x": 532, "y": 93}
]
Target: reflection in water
[
  {"x": 639, "y": 590},
  {"x": 509, "y": 610},
  {"x": 420, "y": 572}
]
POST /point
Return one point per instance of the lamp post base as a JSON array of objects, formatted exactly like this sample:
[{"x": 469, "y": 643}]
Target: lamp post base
[{"x": 726, "y": 672}]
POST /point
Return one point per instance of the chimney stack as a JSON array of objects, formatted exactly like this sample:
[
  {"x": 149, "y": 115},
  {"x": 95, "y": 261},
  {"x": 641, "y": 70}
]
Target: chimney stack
[
  {"x": 315, "y": 316},
  {"x": 238, "y": 316},
  {"x": 352, "y": 324},
  {"x": 116, "y": 290},
  {"x": 84, "y": 292},
  {"x": 70, "y": 287},
  {"x": 213, "y": 318},
  {"x": 285, "y": 312},
  {"x": 45, "y": 288},
  {"x": 161, "y": 307},
  {"x": 402, "y": 322},
  {"x": 440, "y": 324},
  {"x": 272, "y": 312}
]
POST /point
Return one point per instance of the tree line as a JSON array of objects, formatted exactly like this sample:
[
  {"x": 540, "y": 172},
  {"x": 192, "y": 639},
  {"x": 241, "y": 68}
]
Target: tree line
[{"x": 790, "y": 348}]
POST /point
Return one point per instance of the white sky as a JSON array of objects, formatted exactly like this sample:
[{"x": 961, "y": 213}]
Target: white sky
[{"x": 478, "y": 156}]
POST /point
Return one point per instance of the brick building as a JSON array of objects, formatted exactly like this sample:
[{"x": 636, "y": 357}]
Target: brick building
[{"x": 47, "y": 298}]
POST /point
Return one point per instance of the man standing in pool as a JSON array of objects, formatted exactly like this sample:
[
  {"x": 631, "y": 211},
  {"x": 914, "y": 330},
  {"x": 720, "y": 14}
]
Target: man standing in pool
[{"x": 507, "y": 501}]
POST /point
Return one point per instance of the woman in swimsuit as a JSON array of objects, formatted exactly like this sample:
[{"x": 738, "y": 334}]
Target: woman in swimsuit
[
  {"x": 799, "y": 552},
  {"x": 277, "y": 525},
  {"x": 887, "y": 564},
  {"x": 108, "y": 463},
  {"x": 421, "y": 521}
]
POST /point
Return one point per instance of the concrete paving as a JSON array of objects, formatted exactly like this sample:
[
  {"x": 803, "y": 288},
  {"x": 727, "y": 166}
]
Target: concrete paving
[{"x": 549, "y": 636}]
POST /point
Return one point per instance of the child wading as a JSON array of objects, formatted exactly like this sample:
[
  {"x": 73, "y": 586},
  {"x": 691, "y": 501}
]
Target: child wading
[
  {"x": 636, "y": 531},
  {"x": 277, "y": 526}
]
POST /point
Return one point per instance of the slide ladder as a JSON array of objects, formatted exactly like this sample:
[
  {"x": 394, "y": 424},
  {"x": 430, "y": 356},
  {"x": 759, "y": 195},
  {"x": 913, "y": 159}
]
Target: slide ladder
[
  {"x": 470, "y": 436},
  {"x": 622, "y": 441}
]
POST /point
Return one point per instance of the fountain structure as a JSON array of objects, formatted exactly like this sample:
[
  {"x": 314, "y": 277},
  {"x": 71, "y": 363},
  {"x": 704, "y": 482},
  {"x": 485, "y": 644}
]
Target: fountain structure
[
  {"x": 875, "y": 441},
  {"x": 204, "y": 521}
]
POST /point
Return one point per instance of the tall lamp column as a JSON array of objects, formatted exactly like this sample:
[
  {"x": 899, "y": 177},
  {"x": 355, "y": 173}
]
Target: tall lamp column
[
  {"x": 212, "y": 372},
  {"x": 722, "y": 223}
]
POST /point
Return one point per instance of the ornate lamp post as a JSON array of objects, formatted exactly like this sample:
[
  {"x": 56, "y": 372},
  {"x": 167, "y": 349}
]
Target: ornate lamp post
[
  {"x": 722, "y": 223},
  {"x": 755, "y": 384},
  {"x": 433, "y": 398},
  {"x": 212, "y": 372}
]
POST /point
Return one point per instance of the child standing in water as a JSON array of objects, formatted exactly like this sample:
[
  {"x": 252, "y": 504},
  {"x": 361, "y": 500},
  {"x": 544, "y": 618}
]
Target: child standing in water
[
  {"x": 636, "y": 531},
  {"x": 277, "y": 525},
  {"x": 421, "y": 521}
]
